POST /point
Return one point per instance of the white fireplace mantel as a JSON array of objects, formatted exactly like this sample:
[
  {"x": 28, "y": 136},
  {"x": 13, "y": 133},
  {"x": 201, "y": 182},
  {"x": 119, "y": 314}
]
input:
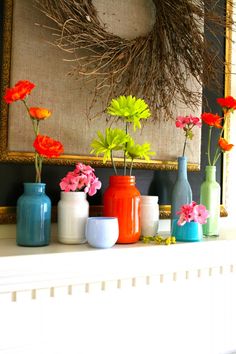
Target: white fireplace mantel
[
  {"x": 128, "y": 299},
  {"x": 57, "y": 265}
]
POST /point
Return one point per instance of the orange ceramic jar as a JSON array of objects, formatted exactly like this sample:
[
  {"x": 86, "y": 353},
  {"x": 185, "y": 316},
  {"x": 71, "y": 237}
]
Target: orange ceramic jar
[{"x": 122, "y": 200}]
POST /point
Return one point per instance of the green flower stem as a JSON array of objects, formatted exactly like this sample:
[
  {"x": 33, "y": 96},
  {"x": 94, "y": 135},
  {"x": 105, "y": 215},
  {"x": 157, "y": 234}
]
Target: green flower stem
[
  {"x": 36, "y": 127},
  {"x": 185, "y": 143},
  {"x": 126, "y": 131},
  {"x": 113, "y": 163},
  {"x": 131, "y": 167},
  {"x": 218, "y": 153},
  {"x": 26, "y": 106},
  {"x": 209, "y": 146},
  {"x": 216, "y": 157},
  {"x": 35, "y": 122},
  {"x": 37, "y": 168},
  {"x": 40, "y": 167},
  {"x": 38, "y": 159}
]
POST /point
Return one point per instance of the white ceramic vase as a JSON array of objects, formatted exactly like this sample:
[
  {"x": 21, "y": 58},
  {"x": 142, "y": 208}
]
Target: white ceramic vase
[
  {"x": 73, "y": 212},
  {"x": 149, "y": 217}
]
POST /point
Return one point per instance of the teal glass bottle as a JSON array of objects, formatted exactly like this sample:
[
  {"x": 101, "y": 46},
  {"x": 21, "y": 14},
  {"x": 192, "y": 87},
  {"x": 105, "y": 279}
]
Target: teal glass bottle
[
  {"x": 210, "y": 197},
  {"x": 33, "y": 216},
  {"x": 182, "y": 192}
]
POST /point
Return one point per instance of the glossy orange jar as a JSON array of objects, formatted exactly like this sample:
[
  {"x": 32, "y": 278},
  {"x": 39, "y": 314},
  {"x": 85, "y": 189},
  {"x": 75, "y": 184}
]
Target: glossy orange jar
[{"x": 122, "y": 199}]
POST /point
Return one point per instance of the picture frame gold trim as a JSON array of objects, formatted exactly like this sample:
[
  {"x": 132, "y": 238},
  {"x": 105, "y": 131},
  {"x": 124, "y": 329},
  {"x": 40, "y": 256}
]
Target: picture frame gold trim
[{"x": 8, "y": 213}]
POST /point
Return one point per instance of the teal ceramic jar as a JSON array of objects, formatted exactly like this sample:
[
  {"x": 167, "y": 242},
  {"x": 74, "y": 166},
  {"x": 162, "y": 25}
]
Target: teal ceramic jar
[
  {"x": 33, "y": 216},
  {"x": 182, "y": 192},
  {"x": 189, "y": 232},
  {"x": 210, "y": 197}
]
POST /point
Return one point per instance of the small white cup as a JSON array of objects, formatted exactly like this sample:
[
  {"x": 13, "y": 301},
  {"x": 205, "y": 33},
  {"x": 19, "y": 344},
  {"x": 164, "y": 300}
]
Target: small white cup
[{"x": 102, "y": 232}]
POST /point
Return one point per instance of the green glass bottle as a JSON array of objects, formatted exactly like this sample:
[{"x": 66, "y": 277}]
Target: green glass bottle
[{"x": 210, "y": 197}]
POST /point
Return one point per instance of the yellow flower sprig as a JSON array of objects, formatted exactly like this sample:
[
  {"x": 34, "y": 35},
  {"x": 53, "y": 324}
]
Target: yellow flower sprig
[{"x": 159, "y": 240}]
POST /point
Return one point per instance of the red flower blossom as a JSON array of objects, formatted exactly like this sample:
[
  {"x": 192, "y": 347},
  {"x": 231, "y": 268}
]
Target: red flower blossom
[
  {"x": 19, "y": 91},
  {"x": 224, "y": 145},
  {"x": 213, "y": 120},
  {"x": 48, "y": 147},
  {"x": 228, "y": 103},
  {"x": 44, "y": 146},
  {"x": 39, "y": 113}
]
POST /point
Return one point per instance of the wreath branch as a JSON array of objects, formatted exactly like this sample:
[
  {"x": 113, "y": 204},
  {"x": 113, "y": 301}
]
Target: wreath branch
[{"x": 156, "y": 67}]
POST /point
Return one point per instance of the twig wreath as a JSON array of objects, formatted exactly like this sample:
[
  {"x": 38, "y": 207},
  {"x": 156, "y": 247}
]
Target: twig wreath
[{"x": 157, "y": 66}]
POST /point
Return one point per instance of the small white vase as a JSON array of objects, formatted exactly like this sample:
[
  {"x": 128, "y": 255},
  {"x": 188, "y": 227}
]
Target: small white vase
[
  {"x": 73, "y": 212},
  {"x": 149, "y": 215}
]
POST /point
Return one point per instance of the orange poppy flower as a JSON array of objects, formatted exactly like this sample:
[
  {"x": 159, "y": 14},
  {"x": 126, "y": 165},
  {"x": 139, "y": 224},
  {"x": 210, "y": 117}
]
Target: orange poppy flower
[
  {"x": 39, "y": 113},
  {"x": 19, "y": 91},
  {"x": 214, "y": 120},
  {"x": 227, "y": 103},
  {"x": 224, "y": 145},
  {"x": 47, "y": 147}
]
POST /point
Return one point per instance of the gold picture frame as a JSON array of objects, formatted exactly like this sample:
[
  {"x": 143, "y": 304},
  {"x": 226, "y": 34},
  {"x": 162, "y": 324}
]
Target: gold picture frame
[{"x": 8, "y": 214}]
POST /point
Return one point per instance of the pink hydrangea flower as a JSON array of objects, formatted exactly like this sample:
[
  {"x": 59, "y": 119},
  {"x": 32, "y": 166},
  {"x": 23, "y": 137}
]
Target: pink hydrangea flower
[
  {"x": 69, "y": 183},
  {"x": 85, "y": 169},
  {"x": 186, "y": 213},
  {"x": 192, "y": 212},
  {"x": 93, "y": 187},
  {"x": 187, "y": 123},
  {"x": 81, "y": 179},
  {"x": 200, "y": 214},
  {"x": 196, "y": 121}
]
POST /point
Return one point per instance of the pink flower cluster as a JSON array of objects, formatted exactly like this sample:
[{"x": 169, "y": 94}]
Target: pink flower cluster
[
  {"x": 186, "y": 122},
  {"x": 81, "y": 179},
  {"x": 192, "y": 212}
]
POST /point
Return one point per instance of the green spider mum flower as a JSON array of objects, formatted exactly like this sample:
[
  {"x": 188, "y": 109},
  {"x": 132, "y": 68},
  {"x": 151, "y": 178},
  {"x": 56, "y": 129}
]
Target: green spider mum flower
[
  {"x": 136, "y": 151},
  {"x": 130, "y": 108},
  {"x": 114, "y": 139}
]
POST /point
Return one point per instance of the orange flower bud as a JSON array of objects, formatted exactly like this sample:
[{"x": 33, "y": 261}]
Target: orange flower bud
[
  {"x": 224, "y": 145},
  {"x": 39, "y": 113}
]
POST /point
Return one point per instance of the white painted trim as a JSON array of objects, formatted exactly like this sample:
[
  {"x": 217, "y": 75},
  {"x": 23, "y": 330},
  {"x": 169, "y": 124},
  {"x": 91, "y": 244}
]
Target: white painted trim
[{"x": 61, "y": 266}]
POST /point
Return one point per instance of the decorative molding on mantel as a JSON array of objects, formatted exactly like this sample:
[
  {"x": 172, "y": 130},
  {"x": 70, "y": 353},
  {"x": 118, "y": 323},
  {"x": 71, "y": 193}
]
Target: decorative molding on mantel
[{"x": 56, "y": 270}]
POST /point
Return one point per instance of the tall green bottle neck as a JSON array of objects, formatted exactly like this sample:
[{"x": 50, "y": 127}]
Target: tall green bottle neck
[{"x": 210, "y": 173}]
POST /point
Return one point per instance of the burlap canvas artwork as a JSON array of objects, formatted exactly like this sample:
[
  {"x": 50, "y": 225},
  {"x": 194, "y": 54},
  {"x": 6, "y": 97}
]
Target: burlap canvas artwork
[{"x": 34, "y": 58}]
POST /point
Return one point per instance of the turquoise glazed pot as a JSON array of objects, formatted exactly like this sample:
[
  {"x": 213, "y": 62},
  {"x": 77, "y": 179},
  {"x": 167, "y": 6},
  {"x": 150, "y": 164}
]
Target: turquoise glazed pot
[
  {"x": 210, "y": 197},
  {"x": 182, "y": 192},
  {"x": 189, "y": 232},
  {"x": 33, "y": 216}
]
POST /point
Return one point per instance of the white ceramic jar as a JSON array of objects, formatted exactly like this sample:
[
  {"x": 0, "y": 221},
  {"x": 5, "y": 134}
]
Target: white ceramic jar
[
  {"x": 73, "y": 212},
  {"x": 149, "y": 215}
]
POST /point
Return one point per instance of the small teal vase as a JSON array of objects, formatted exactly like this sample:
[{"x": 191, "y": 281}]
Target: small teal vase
[
  {"x": 182, "y": 192},
  {"x": 210, "y": 197},
  {"x": 189, "y": 232},
  {"x": 33, "y": 216}
]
